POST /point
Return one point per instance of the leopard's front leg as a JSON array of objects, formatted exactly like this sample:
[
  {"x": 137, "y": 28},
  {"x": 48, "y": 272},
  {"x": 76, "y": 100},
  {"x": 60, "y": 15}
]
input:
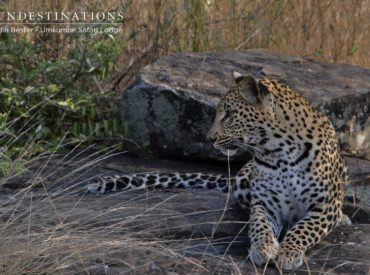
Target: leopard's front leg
[
  {"x": 306, "y": 233},
  {"x": 264, "y": 245}
]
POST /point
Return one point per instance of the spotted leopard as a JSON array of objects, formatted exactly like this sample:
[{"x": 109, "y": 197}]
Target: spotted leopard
[{"x": 294, "y": 185}]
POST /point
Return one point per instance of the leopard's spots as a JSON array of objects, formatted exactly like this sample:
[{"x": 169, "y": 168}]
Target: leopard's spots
[{"x": 293, "y": 186}]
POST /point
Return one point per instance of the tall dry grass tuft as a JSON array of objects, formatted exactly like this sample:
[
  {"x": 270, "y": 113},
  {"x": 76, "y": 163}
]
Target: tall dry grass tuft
[
  {"x": 330, "y": 30},
  {"x": 49, "y": 226},
  {"x": 327, "y": 30}
]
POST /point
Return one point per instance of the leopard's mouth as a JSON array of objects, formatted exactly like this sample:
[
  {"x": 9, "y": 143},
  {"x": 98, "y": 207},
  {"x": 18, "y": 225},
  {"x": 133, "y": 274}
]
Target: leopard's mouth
[{"x": 227, "y": 145}]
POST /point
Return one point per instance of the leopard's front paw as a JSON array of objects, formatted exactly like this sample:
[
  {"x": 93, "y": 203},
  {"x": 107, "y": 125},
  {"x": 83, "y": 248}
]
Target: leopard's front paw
[
  {"x": 264, "y": 251},
  {"x": 344, "y": 220},
  {"x": 290, "y": 258}
]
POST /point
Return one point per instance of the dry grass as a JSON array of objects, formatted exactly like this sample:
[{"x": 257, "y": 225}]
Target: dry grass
[
  {"x": 327, "y": 30},
  {"x": 47, "y": 231},
  {"x": 50, "y": 226},
  {"x": 330, "y": 30}
]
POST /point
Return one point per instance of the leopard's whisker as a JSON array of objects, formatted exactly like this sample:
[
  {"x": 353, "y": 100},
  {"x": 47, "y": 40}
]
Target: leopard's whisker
[{"x": 245, "y": 146}]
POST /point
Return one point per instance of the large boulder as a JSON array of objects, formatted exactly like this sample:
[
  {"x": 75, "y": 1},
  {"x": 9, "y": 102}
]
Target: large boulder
[{"x": 171, "y": 107}]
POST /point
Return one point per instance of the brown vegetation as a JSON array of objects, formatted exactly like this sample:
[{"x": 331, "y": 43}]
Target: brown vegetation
[{"x": 328, "y": 30}]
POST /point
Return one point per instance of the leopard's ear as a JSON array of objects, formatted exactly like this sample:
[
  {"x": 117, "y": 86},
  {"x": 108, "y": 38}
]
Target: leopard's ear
[
  {"x": 237, "y": 77},
  {"x": 265, "y": 97},
  {"x": 262, "y": 90},
  {"x": 254, "y": 91},
  {"x": 248, "y": 87}
]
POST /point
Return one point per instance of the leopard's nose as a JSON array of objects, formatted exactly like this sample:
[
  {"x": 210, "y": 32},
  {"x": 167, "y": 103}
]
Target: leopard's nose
[{"x": 211, "y": 138}]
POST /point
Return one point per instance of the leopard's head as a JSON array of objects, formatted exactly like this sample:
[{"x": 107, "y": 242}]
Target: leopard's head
[{"x": 242, "y": 116}]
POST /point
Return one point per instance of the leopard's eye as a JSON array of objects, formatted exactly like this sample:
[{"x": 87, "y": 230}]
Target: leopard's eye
[{"x": 227, "y": 116}]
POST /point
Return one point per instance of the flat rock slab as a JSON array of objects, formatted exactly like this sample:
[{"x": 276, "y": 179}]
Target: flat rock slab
[
  {"x": 58, "y": 228},
  {"x": 196, "y": 225},
  {"x": 171, "y": 107}
]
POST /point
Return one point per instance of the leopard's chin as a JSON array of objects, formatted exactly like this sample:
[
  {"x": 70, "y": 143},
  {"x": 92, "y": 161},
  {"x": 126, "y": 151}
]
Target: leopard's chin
[
  {"x": 226, "y": 151},
  {"x": 229, "y": 152}
]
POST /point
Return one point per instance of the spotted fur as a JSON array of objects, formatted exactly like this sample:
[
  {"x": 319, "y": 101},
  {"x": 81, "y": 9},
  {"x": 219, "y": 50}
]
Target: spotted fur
[
  {"x": 294, "y": 185},
  {"x": 115, "y": 183},
  {"x": 297, "y": 176}
]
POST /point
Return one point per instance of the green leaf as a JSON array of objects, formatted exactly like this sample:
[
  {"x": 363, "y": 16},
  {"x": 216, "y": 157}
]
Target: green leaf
[{"x": 28, "y": 89}]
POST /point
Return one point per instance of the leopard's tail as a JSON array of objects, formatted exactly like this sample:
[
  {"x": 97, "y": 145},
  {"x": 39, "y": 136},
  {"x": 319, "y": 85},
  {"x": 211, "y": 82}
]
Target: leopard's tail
[{"x": 105, "y": 184}]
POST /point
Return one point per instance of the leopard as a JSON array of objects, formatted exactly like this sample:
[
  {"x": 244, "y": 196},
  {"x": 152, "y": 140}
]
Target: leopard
[{"x": 293, "y": 185}]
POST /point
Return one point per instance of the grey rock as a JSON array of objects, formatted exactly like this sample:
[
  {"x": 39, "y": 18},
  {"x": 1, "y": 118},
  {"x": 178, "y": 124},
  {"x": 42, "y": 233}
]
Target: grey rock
[
  {"x": 171, "y": 107},
  {"x": 167, "y": 231}
]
